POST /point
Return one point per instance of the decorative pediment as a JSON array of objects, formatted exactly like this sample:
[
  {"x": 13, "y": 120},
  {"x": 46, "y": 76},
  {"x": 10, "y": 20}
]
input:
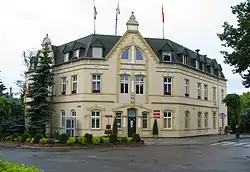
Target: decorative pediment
[
  {"x": 131, "y": 106},
  {"x": 78, "y": 45},
  {"x": 95, "y": 107}
]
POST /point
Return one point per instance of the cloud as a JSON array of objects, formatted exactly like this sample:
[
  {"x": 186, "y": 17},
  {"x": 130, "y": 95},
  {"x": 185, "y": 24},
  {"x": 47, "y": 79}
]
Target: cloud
[{"x": 192, "y": 23}]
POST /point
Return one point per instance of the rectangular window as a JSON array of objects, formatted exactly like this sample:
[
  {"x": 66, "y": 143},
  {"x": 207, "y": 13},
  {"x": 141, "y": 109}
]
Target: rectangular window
[
  {"x": 222, "y": 95},
  {"x": 186, "y": 87},
  {"x": 214, "y": 93},
  {"x": 144, "y": 120},
  {"x": 187, "y": 123},
  {"x": 64, "y": 84},
  {"x": 124, "y": 83},
  {"x": 214, "y": 120},
  {"x": 167, "y": 84},
  {"x": 199, "y": 120},
  {"x": 63, "y": 118},
  {"x": 202, "y": 66},
  {"x": 96, "y": 83},
  {"x": 66, "y": 57},
  {"x": 166, "y": 57},
  {"x": 74, "y": 84},
  {"x": 184, "y": 59},
  {"x": 97, "y": 52},
  {"x": 119, "y": 119},
  {"x": 197, "y": 64},
  {"x": 205, "y": 91},
  {"x": 139, "y": 85},
  {"x": 206, "y": 120},
  {"x": 199, "y": 90},
  {"x": 95, "y": 119},
  {"x": 77, "y": 53},
  {"x": 167, "y": 120}
]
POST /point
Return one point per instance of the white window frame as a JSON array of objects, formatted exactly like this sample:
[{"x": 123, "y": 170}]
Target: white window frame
[
  {"x": 139, "y": 83},
  {"x": 214, "y": 93},
  {"x": 64, "y": 84},
  {"x": 199, "y": 120},
  {"x": 203, "y": 66},
  {"x": 197, "y": 65},
  {"x": 199, "y": 89},
  {"x": 74, "y": 83},
  {"x": 76, "y": 53},
  {"x": 94, "y": 115},
  {"x": 97, "y": 52},
  {"x": 205, "y": 91},
  {"x": 206, "y": 120},
  {"x": 96, "y": 80},
  {"x": 187, "y": 120},
  {"x": 167, "y": 83},
  {"x": 144, "y": 118},
  {"x": 118, "y": 116},
  {"x": 124, "y": 80},
  {"x": 66, "y": 57},
  {"x": 63, "y": 115},
  {"x": 184, "y": 59},
  {"x": 186, "y": 86},
  {"x": 168, "y": 54},
  {"x": 166, "y": 118}
]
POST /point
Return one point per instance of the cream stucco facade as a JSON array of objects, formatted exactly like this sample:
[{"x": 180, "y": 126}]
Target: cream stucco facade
[{"x": 180, "y": 116}]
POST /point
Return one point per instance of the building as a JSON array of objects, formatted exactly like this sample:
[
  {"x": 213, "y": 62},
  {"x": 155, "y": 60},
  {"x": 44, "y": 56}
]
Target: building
[{"x": 136, "y": 80}]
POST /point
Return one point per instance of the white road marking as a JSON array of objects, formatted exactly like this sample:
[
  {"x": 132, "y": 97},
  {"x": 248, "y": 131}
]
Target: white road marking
[
  {"x": 227, "y": 144},
  {"x": 240, "y": 144},
  {"x": 214, "y": 144}
]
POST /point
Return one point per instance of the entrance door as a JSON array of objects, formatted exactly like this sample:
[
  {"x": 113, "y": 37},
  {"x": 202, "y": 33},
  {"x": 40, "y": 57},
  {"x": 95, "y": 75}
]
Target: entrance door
[
  {"x": 70, "y": 126},
  {"x": 131, "y": 122}
]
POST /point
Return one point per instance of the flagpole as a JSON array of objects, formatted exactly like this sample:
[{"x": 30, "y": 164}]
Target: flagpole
[
  {"x": 95, "y": 13},
  {"x": 163, "y": 30},
  {"x": 116, "y": 24},
  {"x": 163, "y": 18},
  {"x": 94, "y": 26}
]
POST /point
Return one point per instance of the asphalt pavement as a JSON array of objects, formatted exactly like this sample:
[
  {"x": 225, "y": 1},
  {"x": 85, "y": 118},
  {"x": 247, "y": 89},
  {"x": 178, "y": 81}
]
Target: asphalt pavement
[{"x": 225, "y": 156}]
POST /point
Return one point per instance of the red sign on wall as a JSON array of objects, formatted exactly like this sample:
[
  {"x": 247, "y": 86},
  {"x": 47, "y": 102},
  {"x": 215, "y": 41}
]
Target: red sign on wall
[{"x": 156, "y": 113}]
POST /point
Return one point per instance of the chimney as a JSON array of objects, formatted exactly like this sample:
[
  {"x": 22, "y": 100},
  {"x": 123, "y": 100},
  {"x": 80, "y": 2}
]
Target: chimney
[{"x": 197, "y": 51}]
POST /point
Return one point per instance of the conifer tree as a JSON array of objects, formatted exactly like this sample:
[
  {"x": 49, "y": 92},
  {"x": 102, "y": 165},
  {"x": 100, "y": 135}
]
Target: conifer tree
[
  {"x": 40, "y": 110},
  {"x": 114, "y": 129},
  {"x": 155, "y": 128}
]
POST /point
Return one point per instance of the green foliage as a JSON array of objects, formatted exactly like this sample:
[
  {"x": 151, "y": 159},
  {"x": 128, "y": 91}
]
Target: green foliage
[
  {"x": 238, "y": 39},
  {"x": 155, "y": 128},
  {"x": 24, "y": 137},
  {"x": 114, "y": 129},
  {"x": 40, "y": 110},
  {"x": 5, "y": 109},
  {"x": 82, "y": 140},
  {"x": 113, "y": 138},
  {"x": 124, "y": 139},
  {"x": 105, "y": 139},
  {"x": 32, "y": 141},
  {"x": 63, "y": 138},
  {"x": 15, "y": 136},
  {"x": 234, "y": 105},
  {"x": 5, "y": 135},
  {"x": 28, "y": 140},
  {"x": 56, "y": 135},
  {"x": 96, "y": 140},
  {"x": 136, "y": 138},
  {"x": 38, "y": 137},
  {"x": 89, "y": 138},
  {"x": 12, "y": 167},
  {"x": 71, "y": 141},
  {"x": 43, "y": 140},
  {"x": 130, "y": 139}
]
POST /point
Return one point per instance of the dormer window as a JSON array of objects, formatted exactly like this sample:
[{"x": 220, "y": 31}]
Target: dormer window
[
  {"x": 139, "y": 55},
  {"x": 202, "y": 66},
  {"x": 166, "y": 57},
  {"x": 66, "y": 57},
  {"x": 197, "y": 65},
  {"x": 211, "y": 70},
  {"x": 125, "y": 54},
  {"x": 76, "y": 53},
  {"x": 97, "y": 52},
  {"x": 184, "y": 59},
  {"x": 71, "y": 54}
]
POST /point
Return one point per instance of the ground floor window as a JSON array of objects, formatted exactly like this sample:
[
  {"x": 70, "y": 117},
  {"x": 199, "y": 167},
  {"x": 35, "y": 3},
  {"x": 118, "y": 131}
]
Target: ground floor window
[
  {"x": 167, "y": 123},
  {"x": 63, "y": 118},
  {"x": 119, "y": 119},
  {"x": 214, "y": 120},
  {"x": 95, "y": 119},
  {"x": 187, "y": 120},
  {"x": 206, "y": 120},
  {"x": 145, "y": 120},
  {"x": 199, "y": 120}
]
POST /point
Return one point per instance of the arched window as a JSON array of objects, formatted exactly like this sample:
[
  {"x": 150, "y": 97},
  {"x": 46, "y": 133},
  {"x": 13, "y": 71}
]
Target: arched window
[
  {"x": 139, "y": 55},
  {"x": 73, "y": 113},
  {"x": 125, "y": 54},
  {"x": 206, "y": 120},
  {"x": 187, "y": 119},
  {"x": 199, "y": 120},
  {"x": 63, "y": 118}
]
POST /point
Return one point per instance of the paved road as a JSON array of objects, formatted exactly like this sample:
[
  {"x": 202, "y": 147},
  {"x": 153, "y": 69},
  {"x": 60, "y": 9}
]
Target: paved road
[{"x": 197, "y": 158}]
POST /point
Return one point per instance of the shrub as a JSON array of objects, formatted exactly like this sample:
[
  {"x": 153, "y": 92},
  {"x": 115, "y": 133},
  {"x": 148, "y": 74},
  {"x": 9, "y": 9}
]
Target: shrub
[
  {"x": 12, "y": 167},
  {"x": 37, "y": 138},
  {"x": 24, "y": 137},
  {"x": 155, "y": 128},
  {"x": 51, "y": 141},
  {"x": 124, "y": 139},
  {"x": 5, "y": 135},
  {"x": 136, "y": 138},
  {"x": 113, "y": 138},
  {"x": 43, "y": 140},
  {"x": 71, "y": 141},
  {"x": 15, "y": 135},
  {"x": 82, "y": 140},
  {"x": 32, "y": 140},
  {"x": 96, "y": 140},
  {"x": 56, "y": 135},
  {"x": 63, "y": 138},
  {"x": 28, "y": 140},
  {"x": 130, "y": 139},
  {"x": 16, "y": 139},
  {"x": 105, "y": 139},
  {"x": 89, "y": 138}
]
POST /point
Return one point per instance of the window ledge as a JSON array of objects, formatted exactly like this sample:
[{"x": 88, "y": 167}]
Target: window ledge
[
  {"x": 146, "y": 129},
  {"x": 96, "y": 129},
  {"x": 167, "y": 129}
]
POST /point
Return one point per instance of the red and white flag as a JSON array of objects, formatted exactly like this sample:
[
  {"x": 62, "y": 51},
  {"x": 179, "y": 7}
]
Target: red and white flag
[
  {"x": 95, "y": 11},
  {"x": 162, "y": 12}
]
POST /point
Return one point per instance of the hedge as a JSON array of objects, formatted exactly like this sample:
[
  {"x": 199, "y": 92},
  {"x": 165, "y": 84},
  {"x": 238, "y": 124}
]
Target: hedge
[{"x": 12, "y": 167}]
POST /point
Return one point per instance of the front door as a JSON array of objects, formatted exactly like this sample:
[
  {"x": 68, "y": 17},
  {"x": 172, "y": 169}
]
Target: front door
[
  {"x": 131, "y": 122},
  {"x": 70, "y": 126}
]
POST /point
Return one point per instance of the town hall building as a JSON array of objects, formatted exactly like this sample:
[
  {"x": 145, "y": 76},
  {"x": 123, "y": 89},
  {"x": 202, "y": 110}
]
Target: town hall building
[{"x": 136, "y": 80}]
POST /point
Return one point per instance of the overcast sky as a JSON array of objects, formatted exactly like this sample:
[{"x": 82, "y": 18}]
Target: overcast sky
[{"x": 192, "y": 23}]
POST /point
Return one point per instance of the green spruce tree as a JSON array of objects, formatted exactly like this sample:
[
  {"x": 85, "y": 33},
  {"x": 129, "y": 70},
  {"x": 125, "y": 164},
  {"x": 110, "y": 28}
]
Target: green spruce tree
[
  {"x": 155, "y": 128},
  {"x": 40, "y": 111},
  {"x": 114, "y": 129}
]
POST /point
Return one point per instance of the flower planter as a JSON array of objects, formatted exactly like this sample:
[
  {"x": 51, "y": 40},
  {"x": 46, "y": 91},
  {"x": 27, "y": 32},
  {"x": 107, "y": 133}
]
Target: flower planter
[{"x": 73, "y": 92}]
